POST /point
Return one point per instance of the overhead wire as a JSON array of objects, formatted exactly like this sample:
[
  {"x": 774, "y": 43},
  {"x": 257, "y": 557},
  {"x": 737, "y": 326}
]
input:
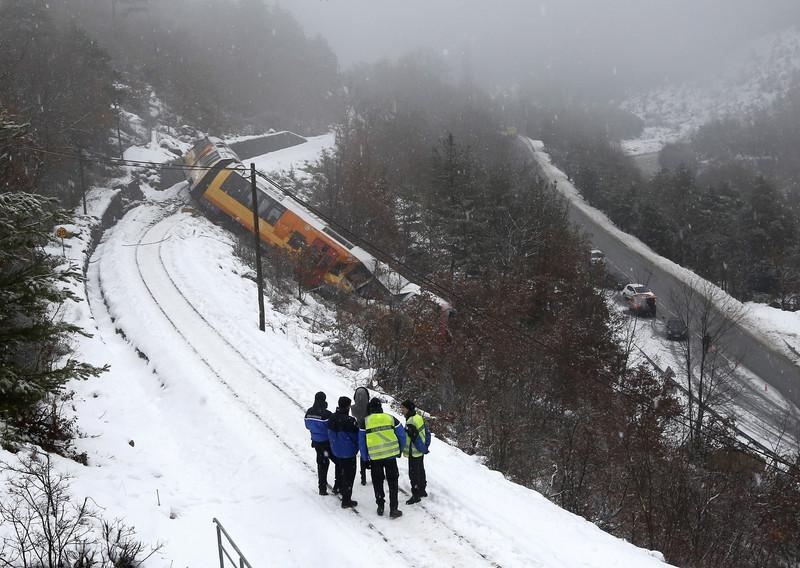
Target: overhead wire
[{"x": 416, "y": 277}]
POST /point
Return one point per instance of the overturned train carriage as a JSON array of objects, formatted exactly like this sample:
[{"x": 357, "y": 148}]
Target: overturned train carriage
[{"x": 217, "y": 177}]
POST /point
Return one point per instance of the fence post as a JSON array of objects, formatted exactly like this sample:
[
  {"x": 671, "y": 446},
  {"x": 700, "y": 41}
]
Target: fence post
[
  {"x": 219, "y": 546},
  {"x": 243, "y": 563}
]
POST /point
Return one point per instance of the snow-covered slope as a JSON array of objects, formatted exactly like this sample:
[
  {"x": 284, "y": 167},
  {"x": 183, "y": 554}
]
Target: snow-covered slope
[
  {"x": 751, "y": 80},
  {"x": 775, "y": 327},
  {"x": 201, "y": 416}
]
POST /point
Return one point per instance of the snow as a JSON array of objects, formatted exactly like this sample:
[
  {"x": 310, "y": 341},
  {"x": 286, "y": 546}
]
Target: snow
[
  {"x": 295, "y": 158},
  {"x": 201, "y": 417},
  {"x": 752, "y": 79},
  {"x": 780, "y": 326},
  {"x": 785, "y": 331},
  {"x": 775, "y": 327}
]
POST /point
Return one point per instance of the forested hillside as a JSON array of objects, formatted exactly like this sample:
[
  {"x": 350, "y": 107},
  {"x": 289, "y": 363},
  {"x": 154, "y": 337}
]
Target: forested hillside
[
  {"x": 89, "y": 78},
  {"x": 724, "y": 205},
  {"x": 530, "y": 374}
]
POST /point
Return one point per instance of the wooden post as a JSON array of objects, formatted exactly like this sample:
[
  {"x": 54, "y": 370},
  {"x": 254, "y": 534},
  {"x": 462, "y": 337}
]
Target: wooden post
[
  {"x": 83, "y": 183},
  {"x": 259, "y": 277}
]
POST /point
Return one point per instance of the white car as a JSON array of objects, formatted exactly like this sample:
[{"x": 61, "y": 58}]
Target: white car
[{"x": 630, "y": 290}]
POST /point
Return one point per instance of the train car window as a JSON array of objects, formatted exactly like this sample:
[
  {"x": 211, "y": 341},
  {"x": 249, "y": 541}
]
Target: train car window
[
  {"x": 263, "y": 205},
  {"x": 269, "y": 209},
  {"x": 338, "y": 237},
  {"x": 297, "y": 241},
  {"x": 275, "y": 213},
  {"x": 238, "y": 188}
]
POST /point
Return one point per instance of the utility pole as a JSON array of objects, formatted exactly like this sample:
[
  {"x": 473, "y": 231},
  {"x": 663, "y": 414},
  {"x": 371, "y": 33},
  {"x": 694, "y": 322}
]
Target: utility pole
[
  {"x": 83, "y": 183},
  {"x": 119, "y": 135},
  {"x": 257, "y": 232}
]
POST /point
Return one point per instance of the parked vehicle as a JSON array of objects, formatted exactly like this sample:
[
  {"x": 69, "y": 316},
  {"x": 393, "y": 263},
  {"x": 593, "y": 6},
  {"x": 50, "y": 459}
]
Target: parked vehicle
[
  {"x": 630, "y": 290},
  {"x": 596, "y": 256},
  {"x": 677, "y": 330},
  {"x": 640, "y": 299}
]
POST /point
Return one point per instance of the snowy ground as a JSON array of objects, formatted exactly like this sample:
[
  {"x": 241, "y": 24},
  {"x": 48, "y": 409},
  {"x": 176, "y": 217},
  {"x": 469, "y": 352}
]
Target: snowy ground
[
  {"x": 781, "y": 329},
  {"x": 201, "y": 416},
  {"x": 294, "y": 159},
  {"x": 753, "y": 78}
]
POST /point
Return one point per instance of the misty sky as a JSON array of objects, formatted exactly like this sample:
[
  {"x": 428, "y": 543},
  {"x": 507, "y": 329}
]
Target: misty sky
[{"x": 514, "y": 40}]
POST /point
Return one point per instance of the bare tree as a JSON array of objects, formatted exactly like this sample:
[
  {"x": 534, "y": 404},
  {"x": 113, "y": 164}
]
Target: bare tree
[
  {"x": 47, "y": 529},
  {"x": 709, "y": 315}
]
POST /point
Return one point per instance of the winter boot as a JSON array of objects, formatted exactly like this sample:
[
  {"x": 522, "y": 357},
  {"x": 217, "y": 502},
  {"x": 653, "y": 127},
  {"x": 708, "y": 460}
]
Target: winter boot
[
  {"x": 394, "y": 513},
  {"x": 414, "y": 499},
  {"x": 423, "y": 493},
  {"x": 380, "y": 509},
  {"x": 323, "y": 491},
  {"x": 348, "y": 504}
]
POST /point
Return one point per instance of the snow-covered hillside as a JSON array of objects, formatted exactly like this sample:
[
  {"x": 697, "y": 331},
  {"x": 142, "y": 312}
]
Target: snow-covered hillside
[
  {"x": 201, "y": 417},
  {"x": 751, "y": 80}
]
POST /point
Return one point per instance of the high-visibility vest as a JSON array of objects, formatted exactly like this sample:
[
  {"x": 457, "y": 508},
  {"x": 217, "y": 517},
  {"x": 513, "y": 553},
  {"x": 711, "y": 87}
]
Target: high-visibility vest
[
  {"x": 382, "y": 442},
  {"x": 419, "y": 424}
]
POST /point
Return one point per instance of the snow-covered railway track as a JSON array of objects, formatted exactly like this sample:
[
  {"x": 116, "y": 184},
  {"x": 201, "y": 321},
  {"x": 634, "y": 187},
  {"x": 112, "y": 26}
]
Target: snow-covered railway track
[
  {"x": 227, "y": 364},
  {"x": 244, "y": 358},
  {"x": 311, "y": 468}
]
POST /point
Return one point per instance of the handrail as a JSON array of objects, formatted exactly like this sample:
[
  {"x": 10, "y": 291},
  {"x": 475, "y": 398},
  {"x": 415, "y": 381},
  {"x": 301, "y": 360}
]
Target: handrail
[{"x": 243, "y": 563}]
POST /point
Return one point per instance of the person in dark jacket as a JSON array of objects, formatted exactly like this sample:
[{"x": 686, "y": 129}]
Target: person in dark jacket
[
  {"x": 381, "y": 439},
  {"x": 343, "y": 436},
  {"x": 418, "y": 441},
  {"x": 359, "y": 411},
  {"x": 317, "y": 423}
]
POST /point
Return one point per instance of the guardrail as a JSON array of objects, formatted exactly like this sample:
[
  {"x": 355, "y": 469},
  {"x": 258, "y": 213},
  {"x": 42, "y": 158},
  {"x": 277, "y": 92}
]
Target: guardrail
[{"x": 223, "y": 553}]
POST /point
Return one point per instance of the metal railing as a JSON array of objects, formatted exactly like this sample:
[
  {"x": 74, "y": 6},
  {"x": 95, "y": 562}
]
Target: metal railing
[{"x": 223, "y": 553}]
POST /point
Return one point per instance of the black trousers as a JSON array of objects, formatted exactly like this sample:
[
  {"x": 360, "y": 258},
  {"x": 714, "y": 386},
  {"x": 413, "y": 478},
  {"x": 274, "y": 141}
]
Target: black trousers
[
  {"x": 347, "y": 475},
  {"x": 337, "y": 473},
  {"x": 385, "y": 469},
  {"x": 363, "y": 472},
  {"x": 323, "y": 450},
  {"x": 416, "y": 474}
]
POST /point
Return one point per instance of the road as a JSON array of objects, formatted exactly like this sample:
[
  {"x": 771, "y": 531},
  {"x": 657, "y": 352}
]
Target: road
[{"x": 741, "y": 344}]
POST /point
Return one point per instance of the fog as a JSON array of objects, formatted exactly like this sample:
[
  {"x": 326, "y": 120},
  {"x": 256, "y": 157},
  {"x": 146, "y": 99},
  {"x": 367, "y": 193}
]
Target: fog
[{"x": 605, "y": 44}]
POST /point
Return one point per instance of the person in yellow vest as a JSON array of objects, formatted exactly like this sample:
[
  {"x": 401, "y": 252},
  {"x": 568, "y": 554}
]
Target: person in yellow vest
[
  {"x": 418, "y": 440},
  {"x": 381, "y": 439}
]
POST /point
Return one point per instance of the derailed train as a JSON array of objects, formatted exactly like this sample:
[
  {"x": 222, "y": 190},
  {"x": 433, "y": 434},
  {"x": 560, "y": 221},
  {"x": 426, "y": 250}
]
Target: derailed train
[{"x": 217, "y": 177}]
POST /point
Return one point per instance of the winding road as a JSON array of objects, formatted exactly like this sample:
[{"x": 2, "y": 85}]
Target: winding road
[{"x": 759, "y": 362}]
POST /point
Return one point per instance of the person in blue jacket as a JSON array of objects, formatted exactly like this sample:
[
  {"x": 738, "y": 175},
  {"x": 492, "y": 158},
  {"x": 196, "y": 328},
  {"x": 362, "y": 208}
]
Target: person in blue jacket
[
  {"x": 381, "y": 439},
  {"x": 317, "y": 423},
  {"x": 343, "y": 436}
]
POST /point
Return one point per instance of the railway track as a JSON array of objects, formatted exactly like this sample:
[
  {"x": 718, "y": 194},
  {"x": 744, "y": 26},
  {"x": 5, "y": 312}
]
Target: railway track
[{"x": 152, "y": 239}]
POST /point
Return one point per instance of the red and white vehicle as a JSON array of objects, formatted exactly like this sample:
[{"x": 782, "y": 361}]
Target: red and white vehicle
[{"x": 640, "y": 299}]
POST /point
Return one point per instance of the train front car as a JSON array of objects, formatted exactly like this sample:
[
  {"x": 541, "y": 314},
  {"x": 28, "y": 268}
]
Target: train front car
[
  {"x": 323, "y": 256},
  {"x": 204, "y": 161},
  {"x": 218, "y": 178}
]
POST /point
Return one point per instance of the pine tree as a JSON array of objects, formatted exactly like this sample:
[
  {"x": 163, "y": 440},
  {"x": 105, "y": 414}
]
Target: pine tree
[
  {"x": 35, "y": 360},
  {"x": 34, "y": 357}
]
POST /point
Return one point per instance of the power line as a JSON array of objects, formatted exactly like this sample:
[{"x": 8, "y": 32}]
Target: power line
[
  {"x": 420, "y": 278},
  {"x": 756, "y": 446}
]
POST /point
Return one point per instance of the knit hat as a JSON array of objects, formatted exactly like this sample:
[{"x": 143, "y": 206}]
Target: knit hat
[
  {"x": 409, "y": 405},
  {"x": 319, "y": 397},
  {"x": 344, "y": 402},
  {"x": 374, "y": 406}
]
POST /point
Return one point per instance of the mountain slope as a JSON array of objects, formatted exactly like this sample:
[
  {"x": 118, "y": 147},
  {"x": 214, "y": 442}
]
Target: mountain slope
[{"x": 207, "y": 422}]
